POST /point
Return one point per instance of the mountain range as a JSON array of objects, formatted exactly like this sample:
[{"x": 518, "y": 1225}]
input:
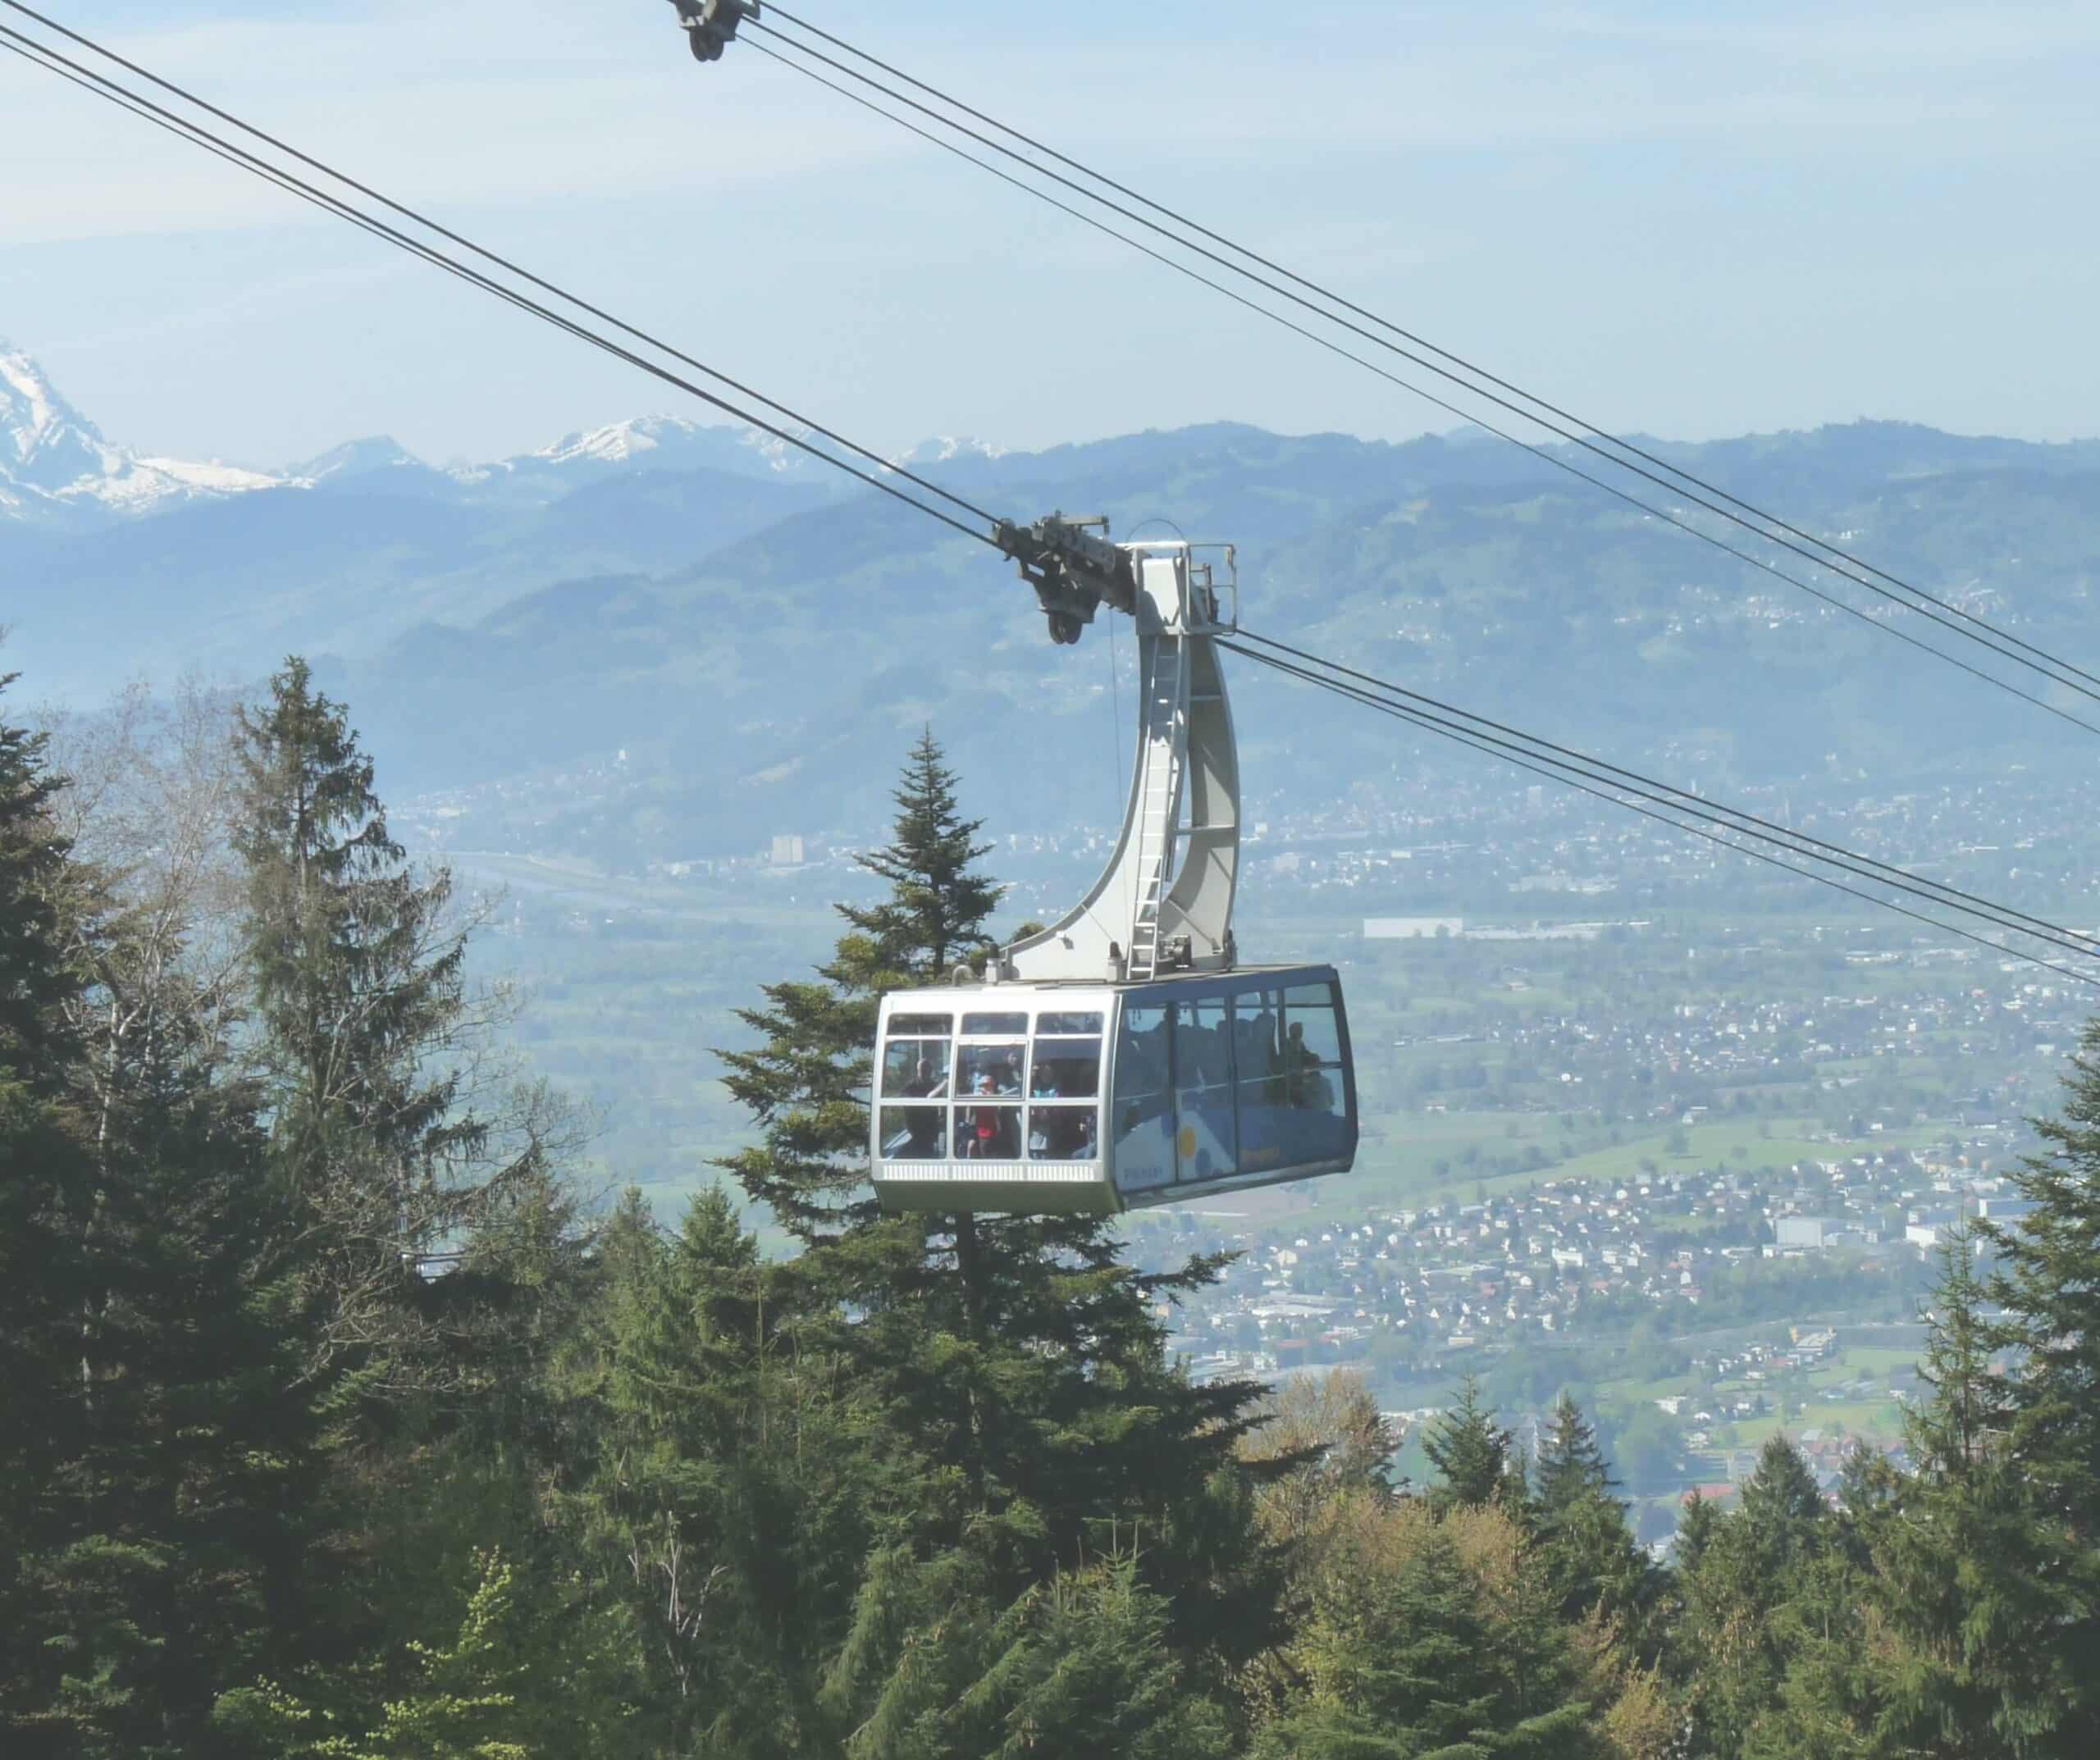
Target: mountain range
[{"x": 758, "y": 640}]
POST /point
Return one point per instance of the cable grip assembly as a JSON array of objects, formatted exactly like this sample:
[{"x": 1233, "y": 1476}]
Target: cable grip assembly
[
  {"x": 1073, "y": 567},
  {"x": 711, "y": 25}
]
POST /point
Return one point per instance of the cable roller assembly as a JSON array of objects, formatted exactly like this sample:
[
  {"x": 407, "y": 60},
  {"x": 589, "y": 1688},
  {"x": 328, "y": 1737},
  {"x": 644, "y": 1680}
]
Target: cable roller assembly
[{"x": 711, "y": 25}]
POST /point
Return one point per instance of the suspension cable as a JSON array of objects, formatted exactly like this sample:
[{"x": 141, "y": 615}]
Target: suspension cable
[
  {"x": 1589, "y": 438},
  {"x": 1751, "y": 823},
  {"x": 1593, "y": 777},
  {"x": 1646, "y": 508},
  {"x": 203, "y": 137}
]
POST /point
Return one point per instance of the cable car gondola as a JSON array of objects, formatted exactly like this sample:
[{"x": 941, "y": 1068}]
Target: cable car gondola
[{"x": 1124, "y": 1057}]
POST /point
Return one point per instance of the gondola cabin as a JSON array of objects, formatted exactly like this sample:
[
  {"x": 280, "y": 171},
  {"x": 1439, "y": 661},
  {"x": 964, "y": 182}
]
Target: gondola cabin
[{"x": 1048, "y": 1098}]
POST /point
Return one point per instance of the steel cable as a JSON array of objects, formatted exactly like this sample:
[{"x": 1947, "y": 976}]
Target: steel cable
[
  {"x": 1596, "y": 780},
  {"x": 1646, "y": 508},
  {"x": 201, "y": 136},
  {"x": 1751, "y": 823},
  {"x": 1587, "y": 427}
]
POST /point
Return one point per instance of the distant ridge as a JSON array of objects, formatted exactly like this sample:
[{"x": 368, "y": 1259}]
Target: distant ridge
[
  {"x": 55, "y": 468},
  {"x": 57, "y": 471}
]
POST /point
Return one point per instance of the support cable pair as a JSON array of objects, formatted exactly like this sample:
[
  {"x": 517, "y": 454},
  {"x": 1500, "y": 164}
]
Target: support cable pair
[
  {"x": 1560, "y": 763},
  {"x": 1733, "y": 828},
  {"x": 796, "y": 52}
]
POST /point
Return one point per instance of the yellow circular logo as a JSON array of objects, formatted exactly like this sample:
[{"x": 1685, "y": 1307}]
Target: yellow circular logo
[{"x": 1188, "y": 1143}]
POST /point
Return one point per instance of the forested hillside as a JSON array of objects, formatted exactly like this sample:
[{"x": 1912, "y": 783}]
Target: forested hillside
[
  {"x": 669, "y": 592},
  {"x": 339, "y": 1423}
]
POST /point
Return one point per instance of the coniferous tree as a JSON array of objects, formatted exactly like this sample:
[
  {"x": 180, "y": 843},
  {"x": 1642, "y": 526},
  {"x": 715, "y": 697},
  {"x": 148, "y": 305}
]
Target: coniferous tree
[
  {"x": 1019, "y": 1361},
  {"x": 1826, "y": 1639},
  {"x": 1736, "y": 1640},
  {"x": 1981, "y": 1585},
  {"x": 2048, "y": 1278},
  {"x": 162, "y": 1557},
  {"x": 45, "y": 1179},
  {"x": 1591, "y": 1559},
  {"x": 935, "y": 918},
  {"x": 1571, "y": 1465},
  {"x": 807, "y": 1082},
  {"x": 1418, "y": 1659},
  {"x": 719, "y": 1491},
  {"x": 1695, "y": 1528},
  {"x": 360, "y": 993},
  {"x": 1470, "y": 1452},
  {"x": 1076, "y": 1668},
  {"x": 173, "y": 1564},
  {"x": 2047, "y": 1281}
]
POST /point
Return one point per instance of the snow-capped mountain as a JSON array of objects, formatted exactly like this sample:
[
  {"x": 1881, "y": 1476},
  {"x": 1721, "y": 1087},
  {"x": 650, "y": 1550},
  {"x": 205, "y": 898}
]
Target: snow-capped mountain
[
  {"x": 357, "y": 458},
  {"x": 664, "y": 443},
  {"x": 944, "y": 448},
  {"x": 55, "y": 466},
  {"x": 57, "y": 470}
]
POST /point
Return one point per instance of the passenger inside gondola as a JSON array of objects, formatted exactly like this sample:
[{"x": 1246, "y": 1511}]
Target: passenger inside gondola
[
  {"x": 998, "y": 1065},
  {"x": 985, "y": 1130},
  {"x": 1061, "y": 1134}
]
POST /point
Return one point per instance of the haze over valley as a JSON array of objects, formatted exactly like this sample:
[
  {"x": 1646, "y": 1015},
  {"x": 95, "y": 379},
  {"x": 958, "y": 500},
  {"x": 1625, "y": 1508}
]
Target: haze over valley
[{"x": 649, "y": 683}]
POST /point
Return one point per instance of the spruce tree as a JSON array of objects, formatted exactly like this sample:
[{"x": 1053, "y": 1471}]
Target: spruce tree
[
  {"x": 1591, "y": 1559},
  {"x": 1470, "y": 1452},
  {"x": 45, "y": 1191},
  {"x": 934, "y": 917},
  {"x": 1021, "y": 1361},
  {"x": 357, "y": 969},
  {"x": 2047, "y": 1280},
  {"x": 159, "y": 1551},
  {"x": 1743, "y": 1583},
  {"x": 173, "y": 1558},
  {"x": 1074, "y": 1669},
  {"x": 717, "y": 1485},
  {"x": 1571, "y": 1465},
  {"x": 1984, "y": 1589},
  {"x": 1420, "y": 1659},
  {"x": 355, "y": 973}
]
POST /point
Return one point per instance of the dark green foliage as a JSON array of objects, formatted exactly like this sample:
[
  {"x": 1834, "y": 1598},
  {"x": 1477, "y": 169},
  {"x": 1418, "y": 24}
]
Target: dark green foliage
[
  {"x": 35, "y": 978},
  {"x": 1078, "y": 1667},
  {"x": 2041, "y": 1478},
  {"x": 1985, "y": 1588},
  {"x": 1470, "y": 1452},
  {"x": 1743, "y": 1575},
  {"x": 370, "y": 1043},
  {"x": 927, "y": 1490},
  {"x": 934, "y": 917},
  {"x": 1571, "y": 1465},
  {"x": 723, "y": 1486},
  {"x": 171, "y": 1566},
  {"x": 354, "y": 978},
  {"x": 354, "y": 971},
  {"x": 1587, "y": 1544},
  {"x": 1018, "y": 1361},
  {"x": 1410, "y": 1667},
  {"x": 806, "y": 1085},
  {"x": 2046, "y": 1263},
  {"x": 44, "y": 1189},
  {"x": 152, "y": 1557}
]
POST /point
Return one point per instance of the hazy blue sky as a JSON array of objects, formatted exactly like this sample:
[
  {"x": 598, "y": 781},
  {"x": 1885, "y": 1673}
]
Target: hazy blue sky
[{"x": 1688, "y": 218}]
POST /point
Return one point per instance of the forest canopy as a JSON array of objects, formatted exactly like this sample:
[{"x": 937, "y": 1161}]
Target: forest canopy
[{"x": 339, "y": 1422}]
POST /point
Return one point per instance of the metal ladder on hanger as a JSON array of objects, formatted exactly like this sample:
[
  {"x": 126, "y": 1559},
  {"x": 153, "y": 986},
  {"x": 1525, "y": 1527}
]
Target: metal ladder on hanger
[{"x": 1159, "y": 800}]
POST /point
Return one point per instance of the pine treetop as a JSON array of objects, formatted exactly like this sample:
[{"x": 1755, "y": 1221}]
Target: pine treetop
[
  {"x": 939, "y": 903},
  {"x": 1469, "y": 1450},
  {"x": 35, "y": 975},
  {"x": 1571, "y": 1465}
]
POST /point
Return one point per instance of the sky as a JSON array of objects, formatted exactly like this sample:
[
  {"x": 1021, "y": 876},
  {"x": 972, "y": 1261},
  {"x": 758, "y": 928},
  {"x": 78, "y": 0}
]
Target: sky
[{"x": 1686, "y": 219}]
